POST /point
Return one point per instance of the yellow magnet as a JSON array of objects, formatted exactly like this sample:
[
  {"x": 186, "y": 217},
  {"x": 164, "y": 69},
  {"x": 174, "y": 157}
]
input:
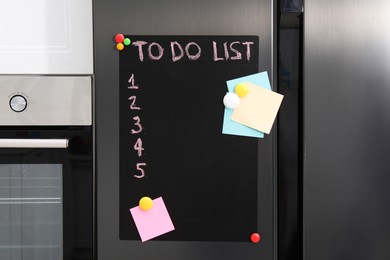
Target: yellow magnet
[
  {"x": 120, "y": 46},
  {"x": 145, "y": 203},
  {"x": 241, "y": 89}
]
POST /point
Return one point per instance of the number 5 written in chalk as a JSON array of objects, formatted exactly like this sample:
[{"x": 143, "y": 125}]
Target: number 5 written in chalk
[{"x": 142, "y": 171}]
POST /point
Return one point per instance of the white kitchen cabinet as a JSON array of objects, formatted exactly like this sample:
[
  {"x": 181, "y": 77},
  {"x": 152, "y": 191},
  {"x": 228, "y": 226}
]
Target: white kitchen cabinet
[{"x": 46, "y": 37}]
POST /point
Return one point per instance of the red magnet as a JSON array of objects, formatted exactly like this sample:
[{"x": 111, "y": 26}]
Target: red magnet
[
  {"x": 255, "y": 238},
  {"x": 119, "y": 38}
]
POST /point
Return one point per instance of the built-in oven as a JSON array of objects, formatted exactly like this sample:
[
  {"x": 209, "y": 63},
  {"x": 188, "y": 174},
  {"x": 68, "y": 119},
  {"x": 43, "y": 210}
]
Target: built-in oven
[{"x": 46, "y": 168}]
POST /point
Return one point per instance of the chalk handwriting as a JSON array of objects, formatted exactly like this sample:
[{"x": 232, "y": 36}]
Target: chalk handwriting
[
  {"x": 132, "y": 105},
  {"x": 131, "y": 81},
  {"x": 137, "y": 124},
  {"x": 142, "y": 171},
  {"x": 192, "y": 51}
]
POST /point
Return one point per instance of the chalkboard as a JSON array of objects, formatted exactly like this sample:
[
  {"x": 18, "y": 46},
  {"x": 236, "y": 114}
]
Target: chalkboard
[{"x": 171, "y": 141}]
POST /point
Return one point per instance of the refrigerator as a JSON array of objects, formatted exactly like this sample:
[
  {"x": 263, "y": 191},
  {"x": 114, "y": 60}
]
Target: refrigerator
[
  {"x": 164, "y": 34},
  {"x": 346, "y": 130}
]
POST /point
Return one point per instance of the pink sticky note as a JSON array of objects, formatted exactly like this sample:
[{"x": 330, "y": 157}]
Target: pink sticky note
[{"x": 154, "y": 222}]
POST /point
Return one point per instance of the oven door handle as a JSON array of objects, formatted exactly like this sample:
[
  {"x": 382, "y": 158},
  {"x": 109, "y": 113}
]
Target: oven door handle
[{"x": 34, "y": 143}]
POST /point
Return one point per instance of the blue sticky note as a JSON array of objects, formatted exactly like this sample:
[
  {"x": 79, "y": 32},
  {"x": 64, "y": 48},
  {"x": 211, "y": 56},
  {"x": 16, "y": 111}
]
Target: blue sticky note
[{"x": 233, "y": 128}]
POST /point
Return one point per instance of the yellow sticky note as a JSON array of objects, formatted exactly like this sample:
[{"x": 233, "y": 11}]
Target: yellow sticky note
[{"x": 258, "y": 109}]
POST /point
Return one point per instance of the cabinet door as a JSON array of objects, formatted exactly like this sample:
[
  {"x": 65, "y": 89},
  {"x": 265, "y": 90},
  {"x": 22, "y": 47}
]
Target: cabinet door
[{"x": 46, "y": 37}]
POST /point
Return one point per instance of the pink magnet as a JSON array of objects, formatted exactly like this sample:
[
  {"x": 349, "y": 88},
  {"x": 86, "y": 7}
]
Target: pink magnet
[{"x": 119, "y": 38}]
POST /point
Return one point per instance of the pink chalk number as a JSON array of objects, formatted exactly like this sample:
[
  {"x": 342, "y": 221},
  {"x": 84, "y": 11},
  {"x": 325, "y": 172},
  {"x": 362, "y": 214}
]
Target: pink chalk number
[
  {"x": 132, "y": 105},
  {"x": 137, "y": 126},
  {"x": 137, "y": 123},
  {"x": 131, "y": 82},
  {"x": 139, "y": 165},
  {"x": 138, "y": 147}
]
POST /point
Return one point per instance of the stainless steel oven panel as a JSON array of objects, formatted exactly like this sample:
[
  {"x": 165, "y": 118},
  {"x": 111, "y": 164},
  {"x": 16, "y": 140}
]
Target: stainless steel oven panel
[{"x": 45, "y": 100}]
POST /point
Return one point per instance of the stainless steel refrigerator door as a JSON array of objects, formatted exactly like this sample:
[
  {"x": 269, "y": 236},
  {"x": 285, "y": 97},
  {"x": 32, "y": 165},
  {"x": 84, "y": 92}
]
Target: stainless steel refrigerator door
[
  {"x": 347, "y": 126},
  {"x": 172, "y": 17}
]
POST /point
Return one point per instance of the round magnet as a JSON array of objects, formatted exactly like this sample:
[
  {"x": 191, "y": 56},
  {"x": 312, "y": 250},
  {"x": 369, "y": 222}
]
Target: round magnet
[
  {"x": 119, "y": 37},
  {"x": 231, "y": 100},
  {"x": 126, "y": 41},
  {"x": 120, "y": 46},
  {"x": 255, "y": 238},
  {"x": 241, "y": 89},
  {"x": 145, "y": 203}
]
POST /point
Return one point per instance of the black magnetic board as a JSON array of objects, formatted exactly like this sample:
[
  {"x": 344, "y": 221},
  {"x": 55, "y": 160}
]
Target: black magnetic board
[{"x": 209, "y": 181}]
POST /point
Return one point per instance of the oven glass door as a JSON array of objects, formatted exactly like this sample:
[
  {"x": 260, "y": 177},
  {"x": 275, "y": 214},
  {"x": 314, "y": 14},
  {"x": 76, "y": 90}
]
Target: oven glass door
[
  {"x": 31, "y": 211},
  {"x": 46, "y": 201}
]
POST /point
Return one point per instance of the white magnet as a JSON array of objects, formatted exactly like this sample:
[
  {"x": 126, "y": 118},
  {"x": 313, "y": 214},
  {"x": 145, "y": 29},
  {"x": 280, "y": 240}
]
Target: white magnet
[{"x": 231, "y": 100}]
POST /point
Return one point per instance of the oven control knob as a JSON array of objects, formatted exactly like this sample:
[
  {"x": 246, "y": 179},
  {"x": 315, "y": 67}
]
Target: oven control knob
[{"x": 18, "y": 103}]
